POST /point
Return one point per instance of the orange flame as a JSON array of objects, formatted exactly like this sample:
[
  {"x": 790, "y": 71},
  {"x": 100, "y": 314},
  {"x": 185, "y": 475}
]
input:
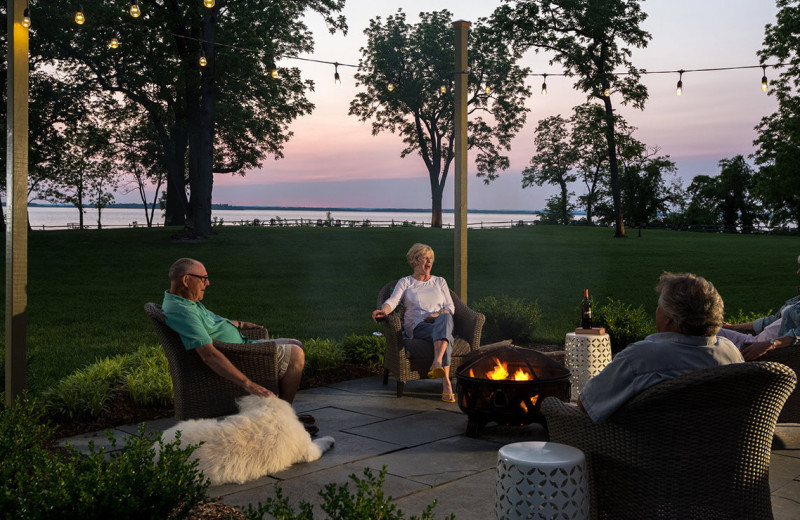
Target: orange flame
[
  {"x": 499, "y": 371},
  {"x": 521, "y": 375}
]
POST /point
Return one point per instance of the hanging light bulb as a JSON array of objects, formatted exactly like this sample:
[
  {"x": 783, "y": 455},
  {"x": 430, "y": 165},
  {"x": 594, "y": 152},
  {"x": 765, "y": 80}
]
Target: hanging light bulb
[
  {"x": 336, "y": 78},
  {"x": 443, "y": 89},
  {"x": 135, "y": 12},
  {"x": 390, "y": 87},
  {"x": 79, "y": 19},
  {"x": 679, "y": 90},
  {"x": 274, "y": 72},
  {"x": 26, "y": 18},
  {"x": 544, "y": 84},
  {"x": 487, "y": 90},
  {"x": 764, "y": 84},
  {"x": 203, "y": 60},
  {"x": 607, "y": 92},
  {"x": 208, "y": 3},
  {"x": 114, "y": 43}
]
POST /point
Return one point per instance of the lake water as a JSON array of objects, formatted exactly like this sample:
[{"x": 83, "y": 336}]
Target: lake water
[{"x": 49, "y": 218}]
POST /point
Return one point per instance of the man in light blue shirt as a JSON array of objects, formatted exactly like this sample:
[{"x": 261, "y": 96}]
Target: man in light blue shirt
[{"x": 688, "y": 316}]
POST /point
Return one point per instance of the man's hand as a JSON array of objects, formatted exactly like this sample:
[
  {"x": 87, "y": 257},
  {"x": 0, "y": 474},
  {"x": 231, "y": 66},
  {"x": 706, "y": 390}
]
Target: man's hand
[
  {"x": 755, "y": 350},
  {"x": 256, "y": 389}
]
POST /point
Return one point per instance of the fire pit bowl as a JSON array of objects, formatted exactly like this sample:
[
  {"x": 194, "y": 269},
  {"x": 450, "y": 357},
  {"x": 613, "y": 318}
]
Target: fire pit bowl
[{"x": 491, "y": 386}]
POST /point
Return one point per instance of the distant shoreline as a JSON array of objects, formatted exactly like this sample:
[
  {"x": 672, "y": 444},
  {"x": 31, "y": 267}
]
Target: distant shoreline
[{"x": 295, "y": 208}]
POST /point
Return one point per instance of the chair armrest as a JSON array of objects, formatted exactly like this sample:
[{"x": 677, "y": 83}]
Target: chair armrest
[{"x": 255, "y": 333}]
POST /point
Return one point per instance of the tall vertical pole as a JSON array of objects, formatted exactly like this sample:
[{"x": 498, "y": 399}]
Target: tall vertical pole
[
  {"x": 460, "y": 116},
  {"x": 16, "y": 202}
]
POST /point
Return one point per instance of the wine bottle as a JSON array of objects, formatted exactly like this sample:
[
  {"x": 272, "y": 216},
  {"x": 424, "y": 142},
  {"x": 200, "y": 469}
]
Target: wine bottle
[{"x": 586, "y": 310}]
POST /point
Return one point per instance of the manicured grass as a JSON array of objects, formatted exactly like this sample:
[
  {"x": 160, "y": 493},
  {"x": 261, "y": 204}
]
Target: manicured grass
[{"x": 86, "y": 288}]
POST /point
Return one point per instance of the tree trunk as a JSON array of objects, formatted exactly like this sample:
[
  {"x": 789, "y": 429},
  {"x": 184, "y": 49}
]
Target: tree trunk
[
  {"x": 564, "y": 205},
  {"x": 616, "y": 196},
  {"x": 436, "y": 203},
  {"x": 204, "y": 138}
]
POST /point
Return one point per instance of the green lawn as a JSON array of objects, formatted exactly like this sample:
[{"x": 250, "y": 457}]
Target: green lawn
[{"x": 86, "y": 288}]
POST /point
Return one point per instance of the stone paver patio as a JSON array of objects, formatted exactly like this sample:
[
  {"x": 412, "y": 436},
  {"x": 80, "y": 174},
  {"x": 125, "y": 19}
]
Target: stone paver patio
[{"x": 421, "y": 441}]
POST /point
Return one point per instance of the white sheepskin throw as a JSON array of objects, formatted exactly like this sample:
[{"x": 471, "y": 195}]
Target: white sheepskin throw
[{"x": 264, "y": 437}]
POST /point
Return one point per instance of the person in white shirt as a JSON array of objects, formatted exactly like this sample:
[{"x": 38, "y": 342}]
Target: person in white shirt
[
  {"x": 779, "y": 330},
  {"x": 428, "y": 312}
]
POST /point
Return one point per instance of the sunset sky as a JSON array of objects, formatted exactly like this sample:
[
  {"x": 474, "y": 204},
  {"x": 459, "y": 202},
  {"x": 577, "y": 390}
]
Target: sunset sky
[{"x": 334, "y": 160}]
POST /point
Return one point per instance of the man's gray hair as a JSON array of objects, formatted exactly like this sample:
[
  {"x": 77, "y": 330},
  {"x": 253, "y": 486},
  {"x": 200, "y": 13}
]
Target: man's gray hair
[
  {"x": 692, "y": 302},
  {"x": 181, "y": 267}
]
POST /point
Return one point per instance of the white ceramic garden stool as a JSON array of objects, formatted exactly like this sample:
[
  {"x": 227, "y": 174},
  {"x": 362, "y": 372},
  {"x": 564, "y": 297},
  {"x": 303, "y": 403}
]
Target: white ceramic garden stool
[
  {"x": 585, "y": 356},
  {"x": 541, "y": 481}
]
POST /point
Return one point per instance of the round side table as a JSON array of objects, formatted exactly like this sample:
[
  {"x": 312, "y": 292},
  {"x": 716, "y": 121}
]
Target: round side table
[
  {"x": 541, "y": 480},
  {"x": 585, "y": 356}
]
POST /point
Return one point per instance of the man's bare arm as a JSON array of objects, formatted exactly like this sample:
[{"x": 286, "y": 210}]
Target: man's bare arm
[{"x": 222, "y": 366}]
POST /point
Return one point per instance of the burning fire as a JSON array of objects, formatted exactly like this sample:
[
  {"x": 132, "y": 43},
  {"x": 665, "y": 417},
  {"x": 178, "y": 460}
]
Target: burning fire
[{"x": 500, "y": 371}]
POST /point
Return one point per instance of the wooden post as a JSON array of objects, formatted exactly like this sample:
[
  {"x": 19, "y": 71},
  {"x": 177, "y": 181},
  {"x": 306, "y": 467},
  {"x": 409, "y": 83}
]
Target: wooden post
[
  {"x": 460, "y": 118},
  {"x": 16, "y": 202}
]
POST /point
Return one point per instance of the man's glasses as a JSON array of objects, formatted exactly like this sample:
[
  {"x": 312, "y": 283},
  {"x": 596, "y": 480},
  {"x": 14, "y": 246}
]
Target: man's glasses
[{"x": 204, "y": 277}]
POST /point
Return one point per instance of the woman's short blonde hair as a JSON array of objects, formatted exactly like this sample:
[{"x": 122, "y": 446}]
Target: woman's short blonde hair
[
  {"x": 692, "y": 302},
  {"x": 416, "y": 251}
]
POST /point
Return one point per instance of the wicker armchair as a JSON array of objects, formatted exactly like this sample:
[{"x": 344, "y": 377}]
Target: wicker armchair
[
  {"x": 789, "y": 356},
  {"x": 410, "y": 359},
  {"x": 693, "y": 447},
  {"x": 199, "y": 391}
]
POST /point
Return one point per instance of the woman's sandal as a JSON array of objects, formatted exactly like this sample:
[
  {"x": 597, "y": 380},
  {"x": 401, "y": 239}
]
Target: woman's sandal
[
  {"x": 449, "y": 398},
  {"x": 436, "y": 373}
]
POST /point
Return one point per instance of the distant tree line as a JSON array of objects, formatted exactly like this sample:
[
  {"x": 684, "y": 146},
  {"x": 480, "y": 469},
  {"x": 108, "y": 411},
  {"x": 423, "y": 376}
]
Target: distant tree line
[{"x": 167, "y": 108}]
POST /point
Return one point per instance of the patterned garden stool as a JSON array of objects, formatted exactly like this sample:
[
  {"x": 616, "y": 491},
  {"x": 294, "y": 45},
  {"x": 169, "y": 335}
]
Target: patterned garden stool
[
  {"x": 585, "y": 355},
  {"x": 541, "y": 481}
]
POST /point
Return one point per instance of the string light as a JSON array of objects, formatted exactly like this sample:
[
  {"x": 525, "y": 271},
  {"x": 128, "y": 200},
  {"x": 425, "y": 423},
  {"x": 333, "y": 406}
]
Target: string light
[
  {"x": 203, "y": 60},
  {"x": 607, "y": 92},
  {"x": 26, "y": 17},
  {"x": 274, "y": 72},
  {"x": 544, "y": 84},
  {"x": 208, "y": 3},
  {"x": 135, "y": 12},
  {"x": 487, "y": 90},
  {"x": 390, "y": 87},
  {"x": 336, "y": 78},
  {"x": 679, "y": 90},
  {"x": 443, "y": 89},
  {"x": 114, "y": 43},
  {"x": 764, "y": 84},
  {"x": 79, "y": 19}
]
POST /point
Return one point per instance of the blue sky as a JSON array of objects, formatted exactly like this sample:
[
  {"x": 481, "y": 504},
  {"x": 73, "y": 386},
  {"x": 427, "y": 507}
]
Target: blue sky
[{"x": 334, "y": 160}]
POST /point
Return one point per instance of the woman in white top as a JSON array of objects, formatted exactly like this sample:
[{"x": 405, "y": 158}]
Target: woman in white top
[{"x": 428, "y": 312}]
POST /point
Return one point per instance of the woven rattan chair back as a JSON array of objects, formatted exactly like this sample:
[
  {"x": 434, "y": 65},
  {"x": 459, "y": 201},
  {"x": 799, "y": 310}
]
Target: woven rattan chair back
[{"x": 693, "y": 447}]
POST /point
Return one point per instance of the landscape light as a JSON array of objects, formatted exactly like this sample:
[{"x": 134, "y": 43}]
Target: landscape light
[
  {"x": 135, "y": 12},
  {"x": 79, "y": 19},
  {"x": 26, "y": 18},
  {"x": 764, "y": 84},
  {"x": 208, "y": 3},
  {"x": 679, "y": 90},
  {"x": 544, "y": 84},
  {"x": 114, "y": 43}
]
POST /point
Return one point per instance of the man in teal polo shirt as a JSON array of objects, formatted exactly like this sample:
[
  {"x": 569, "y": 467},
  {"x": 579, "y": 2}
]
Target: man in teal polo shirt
[{"x": 198, "y": 328}]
